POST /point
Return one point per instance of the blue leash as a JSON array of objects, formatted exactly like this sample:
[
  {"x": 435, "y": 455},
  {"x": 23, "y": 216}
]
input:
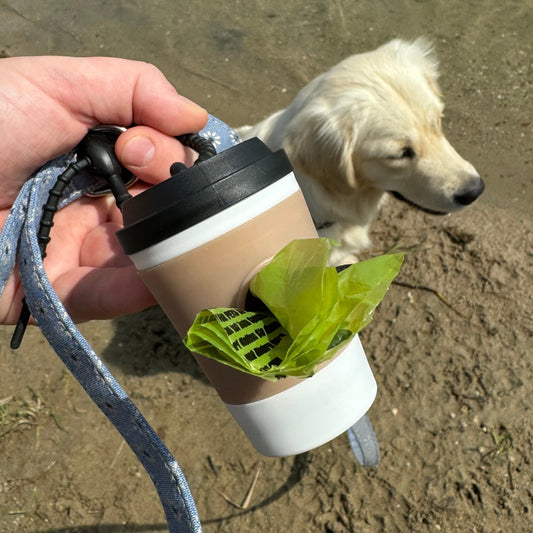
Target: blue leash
[{"x": 19, "y": 238}]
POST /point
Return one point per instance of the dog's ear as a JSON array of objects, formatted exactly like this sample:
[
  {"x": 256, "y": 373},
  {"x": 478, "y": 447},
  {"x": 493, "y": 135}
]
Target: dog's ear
[
  {"x": 320, "y": 143},
  {"x": 424, "y": 54},
  {"x": 419, "y": 53}
]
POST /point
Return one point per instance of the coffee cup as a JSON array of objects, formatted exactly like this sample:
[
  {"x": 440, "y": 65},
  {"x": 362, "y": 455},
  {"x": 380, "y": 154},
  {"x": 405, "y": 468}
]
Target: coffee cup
[{"x": 196, "y": 240}]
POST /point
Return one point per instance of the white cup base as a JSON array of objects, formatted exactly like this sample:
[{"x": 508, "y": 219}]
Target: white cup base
[{"x": 313, "y": 412}]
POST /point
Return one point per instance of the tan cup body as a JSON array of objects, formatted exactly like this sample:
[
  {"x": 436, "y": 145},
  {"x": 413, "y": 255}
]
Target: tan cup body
[{"x": 217, "y": 274}]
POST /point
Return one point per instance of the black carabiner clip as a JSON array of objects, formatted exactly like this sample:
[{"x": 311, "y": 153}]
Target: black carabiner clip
[{"x": 95, "y": 146}]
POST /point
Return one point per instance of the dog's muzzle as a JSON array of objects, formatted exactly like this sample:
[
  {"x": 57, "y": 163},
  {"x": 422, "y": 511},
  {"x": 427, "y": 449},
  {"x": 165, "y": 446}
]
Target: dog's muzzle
[{"x": 461, "y": 199}]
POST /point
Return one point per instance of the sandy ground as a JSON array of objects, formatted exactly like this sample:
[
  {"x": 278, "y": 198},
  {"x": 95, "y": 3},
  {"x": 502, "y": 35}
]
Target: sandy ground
[{"x": 450, "y": 346}]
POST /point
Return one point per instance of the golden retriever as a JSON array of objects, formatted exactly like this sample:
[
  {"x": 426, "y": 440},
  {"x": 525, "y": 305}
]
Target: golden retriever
[{"x": 368, "y": 126}]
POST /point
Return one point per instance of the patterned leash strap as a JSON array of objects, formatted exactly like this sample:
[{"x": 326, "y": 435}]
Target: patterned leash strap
[{"x": 19, "y": 238}]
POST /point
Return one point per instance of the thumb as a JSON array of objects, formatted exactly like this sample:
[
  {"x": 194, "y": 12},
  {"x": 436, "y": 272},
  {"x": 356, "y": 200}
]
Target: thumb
[{"x": 148, "y": 153}]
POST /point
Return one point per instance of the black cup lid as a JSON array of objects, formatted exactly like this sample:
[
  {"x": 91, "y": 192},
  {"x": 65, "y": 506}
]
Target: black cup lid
[{"x": 199, "y": 192}]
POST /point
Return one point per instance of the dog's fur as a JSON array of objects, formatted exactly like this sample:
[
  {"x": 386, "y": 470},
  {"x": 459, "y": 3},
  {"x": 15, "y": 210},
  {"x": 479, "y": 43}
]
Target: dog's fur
[{"x": 371, "y": 125}]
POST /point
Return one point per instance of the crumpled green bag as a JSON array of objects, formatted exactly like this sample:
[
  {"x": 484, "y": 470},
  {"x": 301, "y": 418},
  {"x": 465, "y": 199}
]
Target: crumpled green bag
[{"x": 314, "y": 311}]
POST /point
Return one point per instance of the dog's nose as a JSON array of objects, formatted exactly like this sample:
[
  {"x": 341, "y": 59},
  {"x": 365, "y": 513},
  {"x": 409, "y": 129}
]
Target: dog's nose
[{"x": 471, "y": 192}]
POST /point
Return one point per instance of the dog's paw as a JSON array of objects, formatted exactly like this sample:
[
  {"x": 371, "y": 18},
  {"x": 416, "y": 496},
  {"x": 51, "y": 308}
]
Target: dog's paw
[
  {"x": 351, "y": 241},
  {"x": 339, "y": 256}
]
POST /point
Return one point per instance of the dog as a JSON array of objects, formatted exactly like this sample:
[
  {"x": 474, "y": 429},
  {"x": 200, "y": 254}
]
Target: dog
[{"x": 369, "y": 126}]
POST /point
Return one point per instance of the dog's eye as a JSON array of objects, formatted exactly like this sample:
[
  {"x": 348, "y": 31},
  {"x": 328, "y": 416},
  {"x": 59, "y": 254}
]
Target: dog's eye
[{"x": 407, "y": 153}]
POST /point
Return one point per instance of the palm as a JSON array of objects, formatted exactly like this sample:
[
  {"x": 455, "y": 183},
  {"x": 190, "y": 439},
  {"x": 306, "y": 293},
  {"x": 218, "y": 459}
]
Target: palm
[{"x": 85, "y": 265}]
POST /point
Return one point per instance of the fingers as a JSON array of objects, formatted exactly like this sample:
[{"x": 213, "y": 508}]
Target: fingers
[
  {"x": 122, "y": 92},
  {"x": 48, "y": 104},
  {"x": 101, "y": 249},
  {"x": 102, "y": 293},
  {"x": 88, "y": 294},
  {"x": 163, "y": 108},
  {"x": 148, "y": 153}
]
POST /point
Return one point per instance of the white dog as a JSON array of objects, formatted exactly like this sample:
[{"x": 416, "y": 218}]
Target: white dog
[{"x": 371, "y": 125}]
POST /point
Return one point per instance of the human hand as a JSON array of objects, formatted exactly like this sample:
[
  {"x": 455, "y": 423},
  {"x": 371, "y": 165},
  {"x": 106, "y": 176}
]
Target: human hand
[{"x": 47, "y": 104}]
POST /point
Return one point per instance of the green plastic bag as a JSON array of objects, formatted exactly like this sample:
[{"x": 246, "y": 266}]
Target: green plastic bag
[{"x": 314, "y": 311}]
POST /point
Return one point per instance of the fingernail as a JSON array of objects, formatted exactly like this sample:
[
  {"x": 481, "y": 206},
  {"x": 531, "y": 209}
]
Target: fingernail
[{"x": 138, "y": 152}]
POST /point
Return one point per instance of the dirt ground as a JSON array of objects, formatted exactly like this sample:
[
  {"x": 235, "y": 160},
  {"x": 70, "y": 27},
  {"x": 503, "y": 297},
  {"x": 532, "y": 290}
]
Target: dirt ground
[{"x": 451, "y": 345}]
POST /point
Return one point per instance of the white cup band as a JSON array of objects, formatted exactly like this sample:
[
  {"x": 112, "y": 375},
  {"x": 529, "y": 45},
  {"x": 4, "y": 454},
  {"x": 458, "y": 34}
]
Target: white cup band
[
  {"x": 217, "y": 225},
  {"x": 314, "y": 411}
]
